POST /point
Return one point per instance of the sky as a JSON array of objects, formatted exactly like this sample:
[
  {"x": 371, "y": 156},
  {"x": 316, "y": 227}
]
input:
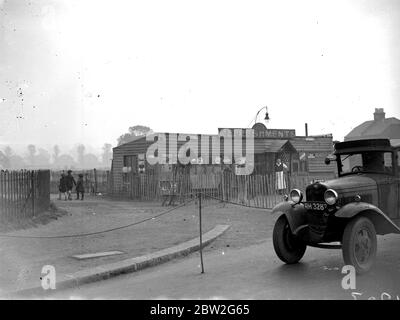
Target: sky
[{"x": 82, "y": 71}]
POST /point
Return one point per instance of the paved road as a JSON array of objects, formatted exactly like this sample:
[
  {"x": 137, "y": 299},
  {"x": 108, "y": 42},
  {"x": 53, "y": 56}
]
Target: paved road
[{"x": 251, "y": 273}]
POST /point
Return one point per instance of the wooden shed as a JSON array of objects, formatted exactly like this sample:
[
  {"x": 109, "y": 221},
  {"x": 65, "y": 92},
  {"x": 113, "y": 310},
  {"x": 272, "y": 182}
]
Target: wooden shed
[
  {"x": 302, "y": 155},
  {"x": 312, "y": 151}
]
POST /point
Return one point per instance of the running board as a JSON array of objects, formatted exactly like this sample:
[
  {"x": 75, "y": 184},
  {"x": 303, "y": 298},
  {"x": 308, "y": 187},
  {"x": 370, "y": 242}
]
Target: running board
[{"x": 325, "y": 246}]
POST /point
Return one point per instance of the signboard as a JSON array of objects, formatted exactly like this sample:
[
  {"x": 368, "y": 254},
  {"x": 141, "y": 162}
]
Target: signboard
[
  {"x": 275, "y": 133},
  {"x": 261, "y": 132}
]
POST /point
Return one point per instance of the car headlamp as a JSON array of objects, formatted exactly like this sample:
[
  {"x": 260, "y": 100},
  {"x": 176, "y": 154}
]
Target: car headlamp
[
  {"x": 296, "y": 196},
  {"x": 330, "y": 197}
]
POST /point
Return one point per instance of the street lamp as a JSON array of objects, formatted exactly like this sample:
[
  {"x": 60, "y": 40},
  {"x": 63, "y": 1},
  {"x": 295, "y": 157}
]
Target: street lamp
[{"x": 266, "y": 118}]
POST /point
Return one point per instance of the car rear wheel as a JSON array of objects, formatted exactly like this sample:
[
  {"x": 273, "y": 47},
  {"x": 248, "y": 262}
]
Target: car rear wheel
[
  {"x": 359, "y": 244},
  {"x": 289, "y": 248}
]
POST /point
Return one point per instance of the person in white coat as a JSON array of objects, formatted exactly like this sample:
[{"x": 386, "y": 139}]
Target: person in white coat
[{"x": 280, "y": 183}]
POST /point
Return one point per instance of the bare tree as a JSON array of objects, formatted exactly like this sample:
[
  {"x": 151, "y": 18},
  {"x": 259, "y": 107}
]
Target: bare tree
[
  {"x": 5, "y": 158},
  {"x": 14, "y": 160},
  {"x": 4, "y": 161},
  {"x": 65, "y": 161},
  {"x": 56, "y": 153},
  {"x": 91, "y": 161},
  {"x": 43, "y": 158},
  {"x": 81, "y": 155},
  {"x": 31, "y": 154},
  {"x": 8, "y": 152},
  {"x": 107, "y": 154}
]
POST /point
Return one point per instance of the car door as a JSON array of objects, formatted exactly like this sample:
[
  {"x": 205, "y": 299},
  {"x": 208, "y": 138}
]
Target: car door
[
  {"x": 397, "y": 172},
  {"x": 388, "y": 187}
]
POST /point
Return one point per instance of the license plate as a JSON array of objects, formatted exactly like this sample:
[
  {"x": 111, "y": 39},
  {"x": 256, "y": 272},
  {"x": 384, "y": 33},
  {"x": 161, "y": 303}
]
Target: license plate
[{"x": 317, "y": 206}]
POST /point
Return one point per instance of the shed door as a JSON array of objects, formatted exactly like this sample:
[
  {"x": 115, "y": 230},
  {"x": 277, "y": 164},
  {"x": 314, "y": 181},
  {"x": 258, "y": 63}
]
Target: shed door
[{"x": 130, "y": 162}]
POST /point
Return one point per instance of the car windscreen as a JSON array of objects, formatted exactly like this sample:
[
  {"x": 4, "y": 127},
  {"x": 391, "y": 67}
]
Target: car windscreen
[{"x": 366, "y": 162}]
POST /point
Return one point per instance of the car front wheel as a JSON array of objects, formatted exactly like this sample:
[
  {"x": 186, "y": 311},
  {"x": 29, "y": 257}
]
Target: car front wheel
[
  {"x": 289, "y": 248},
  {"x": 359, "y": 244}
]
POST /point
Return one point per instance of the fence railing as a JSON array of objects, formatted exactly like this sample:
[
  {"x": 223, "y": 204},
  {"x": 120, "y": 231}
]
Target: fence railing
[
  {"x": 253, "y": 190},
  {"x": 23, "y": 194}
]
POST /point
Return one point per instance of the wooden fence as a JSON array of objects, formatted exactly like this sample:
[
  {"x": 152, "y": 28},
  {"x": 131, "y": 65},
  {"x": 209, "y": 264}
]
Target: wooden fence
[
  {"x": 23, "y": 194},
  {"x": 95, "y": 181},
  {"x": 252, "y": 190}
]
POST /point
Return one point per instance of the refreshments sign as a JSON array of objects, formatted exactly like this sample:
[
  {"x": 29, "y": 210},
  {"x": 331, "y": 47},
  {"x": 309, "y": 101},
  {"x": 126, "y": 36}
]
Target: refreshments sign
[
  {"x": 275, "y": 133},
  {"x": 263, "y": 132}
]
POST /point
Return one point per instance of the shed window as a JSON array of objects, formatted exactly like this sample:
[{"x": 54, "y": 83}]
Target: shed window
[{"x": 131, "y": 162}]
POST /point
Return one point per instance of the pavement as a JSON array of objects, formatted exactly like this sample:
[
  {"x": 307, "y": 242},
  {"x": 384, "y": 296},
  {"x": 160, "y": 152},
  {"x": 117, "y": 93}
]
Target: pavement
[
  {"x": 253, "y": 272},
  {"x": 22, "y": 259},
  {"x": 107, "y": 271}
]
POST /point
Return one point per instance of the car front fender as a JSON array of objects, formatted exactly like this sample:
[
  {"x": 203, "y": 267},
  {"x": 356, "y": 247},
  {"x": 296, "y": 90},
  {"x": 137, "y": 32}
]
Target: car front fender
[
  {"x": 382, "y": 222},
  {"x": 295, "y": 213}
]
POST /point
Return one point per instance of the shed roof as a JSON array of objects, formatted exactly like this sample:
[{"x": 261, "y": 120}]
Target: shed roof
[
  {"x": 313, "y": 144},
  {"x": 134, "y": 139},
  {"x": 272, "y": 145},
  {"x": 296, "y": 144}
]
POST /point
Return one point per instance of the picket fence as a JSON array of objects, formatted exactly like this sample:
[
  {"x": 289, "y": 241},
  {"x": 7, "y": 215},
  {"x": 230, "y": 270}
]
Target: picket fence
[
  {"x": 250, "y": 190},
  {"x": 23, "y": 194}
]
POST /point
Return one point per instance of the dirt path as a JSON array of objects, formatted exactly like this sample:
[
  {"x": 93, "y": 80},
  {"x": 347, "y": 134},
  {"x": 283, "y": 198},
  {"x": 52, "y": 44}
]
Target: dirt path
[{"x": 21, "y": 260}]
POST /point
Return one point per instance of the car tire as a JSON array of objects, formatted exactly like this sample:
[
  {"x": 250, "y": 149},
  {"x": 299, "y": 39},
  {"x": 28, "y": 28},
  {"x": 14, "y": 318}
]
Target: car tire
[
  {"x": 359, "y": 244},
  {"x": 288, "y": 247}
]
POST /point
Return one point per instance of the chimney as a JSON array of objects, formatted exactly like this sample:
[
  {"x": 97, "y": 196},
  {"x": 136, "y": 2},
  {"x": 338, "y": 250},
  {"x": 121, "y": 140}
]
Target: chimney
[
  {"x": 379, "y": 115},
  {"x": 306, "y": 128}
]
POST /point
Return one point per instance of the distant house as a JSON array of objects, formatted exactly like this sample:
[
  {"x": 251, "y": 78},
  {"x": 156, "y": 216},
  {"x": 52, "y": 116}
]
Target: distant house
[{"x": 380, "y": 127}]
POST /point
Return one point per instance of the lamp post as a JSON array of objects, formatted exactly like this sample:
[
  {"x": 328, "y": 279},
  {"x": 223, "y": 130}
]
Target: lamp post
[{"x": 266, "y": 118}]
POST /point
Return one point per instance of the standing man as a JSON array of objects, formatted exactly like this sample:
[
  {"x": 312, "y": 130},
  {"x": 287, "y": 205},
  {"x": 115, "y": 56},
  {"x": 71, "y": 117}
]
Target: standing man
[
  {"x": 70, "y": 182},
  {"x": 280, "y": 182}
]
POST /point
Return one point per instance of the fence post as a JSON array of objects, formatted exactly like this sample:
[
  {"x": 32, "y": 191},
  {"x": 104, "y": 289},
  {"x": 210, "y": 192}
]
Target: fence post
[
  {"x": 289, "y": 179},
  {"x": 201, "y": 234},
  {"x": 33, "y": 192},
  {"x": 95, "y": 181}
]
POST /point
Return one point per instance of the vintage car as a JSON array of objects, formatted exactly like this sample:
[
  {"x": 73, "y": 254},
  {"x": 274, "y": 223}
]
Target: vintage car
[{"x": 350, "y": 210}]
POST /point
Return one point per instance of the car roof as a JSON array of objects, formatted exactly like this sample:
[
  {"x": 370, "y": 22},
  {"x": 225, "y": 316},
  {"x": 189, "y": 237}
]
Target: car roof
[{"x": 363, "y": 145}]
